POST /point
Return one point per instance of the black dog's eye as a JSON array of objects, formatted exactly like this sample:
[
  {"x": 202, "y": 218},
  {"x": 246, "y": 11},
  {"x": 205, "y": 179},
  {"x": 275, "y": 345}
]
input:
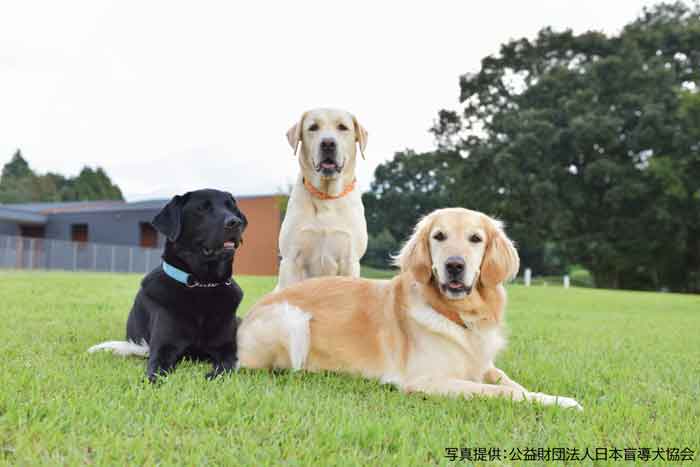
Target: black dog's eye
[
  {"x": 230, "y": 204},
  {"x": 475, "y": 238},
  {"x": 313, "y": 127},
  {"x": 342, "y": 127},
  {"x": 439, "y": 236}
]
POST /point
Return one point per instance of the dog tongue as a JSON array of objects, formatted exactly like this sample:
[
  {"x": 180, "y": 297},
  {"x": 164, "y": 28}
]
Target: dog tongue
[
  {"x": 455, "y": 285},
  {"x": 328, "y": 165},
  {"x": 229, "y": 245}
]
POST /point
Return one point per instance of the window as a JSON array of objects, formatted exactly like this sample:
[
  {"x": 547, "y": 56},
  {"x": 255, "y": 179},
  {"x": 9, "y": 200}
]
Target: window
[
  {"x": 149, "y": 236},
  {"x": 79, "y": 233},
  {"x": 32, "y": 231}
]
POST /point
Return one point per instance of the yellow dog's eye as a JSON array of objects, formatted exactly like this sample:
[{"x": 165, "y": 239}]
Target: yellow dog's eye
[
  {"x": 313, "y": 127},
  {"x": 342, "y": 127},
  {"x": 439, "y": 236},
  {"x": 475, "y": 238}
]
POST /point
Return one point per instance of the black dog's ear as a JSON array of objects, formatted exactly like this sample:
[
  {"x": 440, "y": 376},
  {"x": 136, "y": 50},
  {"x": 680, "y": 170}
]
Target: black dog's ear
[{"x": 169, "y": 220}]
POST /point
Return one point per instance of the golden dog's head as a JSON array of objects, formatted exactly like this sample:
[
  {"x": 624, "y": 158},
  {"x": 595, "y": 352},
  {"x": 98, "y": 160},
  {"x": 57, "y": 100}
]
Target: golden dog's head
[
  {"x": 458, "y": 250},
  {"x": 328, "y": 139}
]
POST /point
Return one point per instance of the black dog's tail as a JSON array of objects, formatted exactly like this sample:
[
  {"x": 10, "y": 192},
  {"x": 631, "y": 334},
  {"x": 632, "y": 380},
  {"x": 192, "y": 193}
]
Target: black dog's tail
[{"x": 123, "y": 348}]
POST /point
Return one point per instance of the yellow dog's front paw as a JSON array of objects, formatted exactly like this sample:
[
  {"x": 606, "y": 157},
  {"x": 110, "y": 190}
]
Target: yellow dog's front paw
[{"x": 560, "y": 401}]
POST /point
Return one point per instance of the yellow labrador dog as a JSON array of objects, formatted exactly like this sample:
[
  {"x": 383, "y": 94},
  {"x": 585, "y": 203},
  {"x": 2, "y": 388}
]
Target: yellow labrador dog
[
  {"x": 434, "y": 328},
  {"x": 324, "y": 232}
]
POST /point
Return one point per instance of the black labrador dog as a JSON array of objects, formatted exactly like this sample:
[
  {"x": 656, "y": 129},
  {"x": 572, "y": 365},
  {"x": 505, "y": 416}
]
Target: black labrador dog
[{"x": 186, "y": 307}]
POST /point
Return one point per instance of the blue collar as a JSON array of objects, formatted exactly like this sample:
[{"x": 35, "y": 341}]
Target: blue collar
[{"x": 187, "y": 279}]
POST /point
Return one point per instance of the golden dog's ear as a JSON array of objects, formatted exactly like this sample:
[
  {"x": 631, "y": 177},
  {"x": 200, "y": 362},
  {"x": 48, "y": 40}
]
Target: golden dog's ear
[
  {"x": 501, "y": 261},
  {"x": 294, "y": 134},
  {"x": 415, "y": 254},
  {"x": 360, "y": 136}
]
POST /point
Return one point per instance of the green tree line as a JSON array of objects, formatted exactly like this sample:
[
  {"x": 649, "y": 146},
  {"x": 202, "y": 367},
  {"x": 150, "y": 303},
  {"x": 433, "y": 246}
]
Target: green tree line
[
  {"x": 20, "y": 184},
  {"x": 586, "y": 145}
]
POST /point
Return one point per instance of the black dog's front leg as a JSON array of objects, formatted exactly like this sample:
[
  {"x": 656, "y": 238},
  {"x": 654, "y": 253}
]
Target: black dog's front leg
[
  {"x": 161, "y": 360},
  {"x": 224, "y": 358}
]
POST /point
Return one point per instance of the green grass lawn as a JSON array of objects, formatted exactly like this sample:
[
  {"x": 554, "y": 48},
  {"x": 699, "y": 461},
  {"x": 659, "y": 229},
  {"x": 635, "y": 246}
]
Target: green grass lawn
[{"x": 630, "y": 358}]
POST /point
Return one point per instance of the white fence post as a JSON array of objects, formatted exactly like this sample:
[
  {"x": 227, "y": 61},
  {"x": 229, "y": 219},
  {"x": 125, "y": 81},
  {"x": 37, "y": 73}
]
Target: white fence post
[
  {"x": 75, "y": 256},
  {"x": 94, "y": 257},
  {"x": 131, "y": 259},
  {"x": 567, "y": 281},
  {"x": 5, "y": 260},
  {"x": 527, "y": 277},
  {"x": 31, "y": 253},
  {"x": 111, "y": 263}
]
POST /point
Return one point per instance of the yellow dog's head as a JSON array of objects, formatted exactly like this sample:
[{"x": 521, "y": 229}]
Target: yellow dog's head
[{"x": 328, "y": 139}]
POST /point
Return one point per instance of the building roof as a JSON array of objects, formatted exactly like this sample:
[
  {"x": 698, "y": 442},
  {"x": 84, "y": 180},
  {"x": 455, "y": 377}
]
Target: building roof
[
  {"x": 21, "y": 216},
  {"x": 42, "y": 210}
]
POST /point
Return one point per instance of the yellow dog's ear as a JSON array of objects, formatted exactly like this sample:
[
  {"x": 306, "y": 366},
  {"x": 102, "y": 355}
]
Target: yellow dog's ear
[
  {"x": 501, "y": 261},
  {"x": 294, "y": 134},
  {"x": 415, "y": 254},
  {"x": 360, "y": 136}
]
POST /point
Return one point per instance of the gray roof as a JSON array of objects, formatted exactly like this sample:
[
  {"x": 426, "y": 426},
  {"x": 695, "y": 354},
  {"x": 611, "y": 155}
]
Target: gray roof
[
  {"x": 21, "y": 216},
  {"x": 44, "y": 209},
  {"x": 65, "y": 206}
]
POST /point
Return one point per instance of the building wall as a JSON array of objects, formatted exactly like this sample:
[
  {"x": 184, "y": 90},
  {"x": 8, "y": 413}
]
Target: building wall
[
  {"x": 113, "y": 227},
  {"x": 257, "y": 256},
  {"x": 8, "y": 228},
  {"x": 259, "y": 253}
]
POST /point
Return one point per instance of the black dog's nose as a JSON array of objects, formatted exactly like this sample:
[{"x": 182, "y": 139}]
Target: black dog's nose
[
  {"x": 454, "y": 265},
  {"x": 328, "y": 145},
  {"x": 232, "y": 222}
]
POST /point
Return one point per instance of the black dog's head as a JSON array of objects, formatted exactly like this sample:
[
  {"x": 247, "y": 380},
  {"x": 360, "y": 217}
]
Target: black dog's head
[{"x": 203, "y": 230}]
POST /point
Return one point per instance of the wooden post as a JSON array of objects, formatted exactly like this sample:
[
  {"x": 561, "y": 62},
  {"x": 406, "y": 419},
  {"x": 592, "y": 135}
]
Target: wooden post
[{"x": 527, "y": 277}]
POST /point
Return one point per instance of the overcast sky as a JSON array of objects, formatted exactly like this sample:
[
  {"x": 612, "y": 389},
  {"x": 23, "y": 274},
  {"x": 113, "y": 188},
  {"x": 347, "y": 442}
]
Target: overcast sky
[{"x": 171, "y": 96}]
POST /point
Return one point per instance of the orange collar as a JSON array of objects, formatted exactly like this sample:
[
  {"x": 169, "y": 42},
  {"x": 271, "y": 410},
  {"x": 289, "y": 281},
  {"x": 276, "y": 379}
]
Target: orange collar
[{"x": 325, "y": 196}]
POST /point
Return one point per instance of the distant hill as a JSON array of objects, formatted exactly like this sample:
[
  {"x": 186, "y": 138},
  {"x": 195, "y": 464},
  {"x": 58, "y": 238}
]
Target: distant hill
[{"x": 20, "y": 184}]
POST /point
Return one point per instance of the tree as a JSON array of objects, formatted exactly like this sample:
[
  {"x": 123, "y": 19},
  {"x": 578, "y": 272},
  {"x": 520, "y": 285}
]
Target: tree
[
  {"x": 569, "y": 138},
  {"x": 92, "y": 185},
  {"x": 19, "y": 184},
  {"x": 408, "y": 187},
  {"x": 16, "y": 168},
  {"x": 586, "y": 145}
]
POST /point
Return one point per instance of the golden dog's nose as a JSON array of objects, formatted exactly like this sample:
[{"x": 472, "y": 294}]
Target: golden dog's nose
[{"x": 455, "y": 266}]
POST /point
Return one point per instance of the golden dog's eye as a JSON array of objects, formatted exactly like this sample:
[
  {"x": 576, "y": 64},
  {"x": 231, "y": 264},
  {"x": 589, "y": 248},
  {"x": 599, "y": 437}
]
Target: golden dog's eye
[
  {"x": 313, "y": 127},
  {"x": 439, "y": 236},
  {"x": 475, "y": 238},
  {"x": 342, "y": 127}
]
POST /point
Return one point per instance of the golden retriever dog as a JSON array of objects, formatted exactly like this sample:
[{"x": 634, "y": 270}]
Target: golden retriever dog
[
  {"x": 435, "y": 328},
  {"x": 324, "y": 232}
]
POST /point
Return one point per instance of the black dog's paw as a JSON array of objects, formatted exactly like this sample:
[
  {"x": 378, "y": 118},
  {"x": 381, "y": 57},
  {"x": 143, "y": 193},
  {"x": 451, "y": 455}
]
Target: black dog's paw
[
  {"x": 157, "y": 378},
  {"x": 216, "y": 373}
]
